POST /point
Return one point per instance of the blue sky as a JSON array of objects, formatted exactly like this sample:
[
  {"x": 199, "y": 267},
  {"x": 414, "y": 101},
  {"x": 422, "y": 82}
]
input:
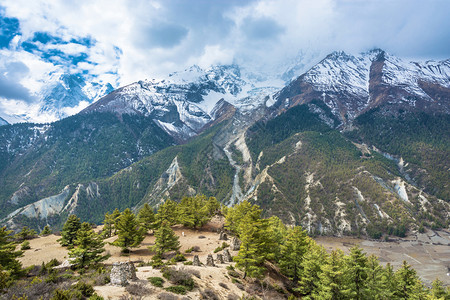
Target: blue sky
[{"x": 120, "y": 41}]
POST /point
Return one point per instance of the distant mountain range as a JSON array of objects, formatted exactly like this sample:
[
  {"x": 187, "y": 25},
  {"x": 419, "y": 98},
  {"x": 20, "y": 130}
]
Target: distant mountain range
[{"x": 355, "y": 145}]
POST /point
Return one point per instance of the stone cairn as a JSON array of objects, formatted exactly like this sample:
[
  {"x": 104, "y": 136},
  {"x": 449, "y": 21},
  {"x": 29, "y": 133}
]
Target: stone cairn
[
  {"x": 219, "y": 259},
  {"x": 210, "y": 261},
  {"x": 227, "y": 256},
  {"x": 236, "y": 245},
  {"x": 196, "y": 261},
  {"x": 223, "y": 236},
  {"x": 121, "y": 272}
]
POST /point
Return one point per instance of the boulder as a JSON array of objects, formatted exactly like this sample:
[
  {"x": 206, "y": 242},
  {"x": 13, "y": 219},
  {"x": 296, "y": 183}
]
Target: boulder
[
  {"x": 122, "y": 272},
  {"x": 210, "y": 261}
]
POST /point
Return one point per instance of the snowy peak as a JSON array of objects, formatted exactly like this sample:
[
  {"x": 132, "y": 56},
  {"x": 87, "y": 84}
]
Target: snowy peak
[
  {"x": 352, "y": 84},
  {"x": 3, "y": 122},
  {"x": 184, "y": 102}
]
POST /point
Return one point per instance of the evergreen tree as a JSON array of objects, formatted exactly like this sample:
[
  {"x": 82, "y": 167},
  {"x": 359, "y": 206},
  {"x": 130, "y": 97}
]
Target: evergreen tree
[
  {"x": 236, "y": 214},
  {"x": 212, "y": 206},
  {"x": 166, "y": 240},
  {"x": 408, "y": 283},
  {"x": 277, "y": 232},
  {"x": 167, "y": 212},
  {"x": 375, "y": 286},
  {"x": 146, "y": 217},
  {"x": 25, "y": 234},
  {"x": 192, "y": 211},
  {"x": 251, "y": 255},
  {"x": 69, "y": 231},
  {"x": 89, "y": 248},
  {"x": 115, "y": 217},
  {"x": 388, "y": 281},
  {"x": 10, "y": 267},
  {"x": 311, "y": 265},
  {"x": 129, "y": 233},
  {"x": 356, "y": 273},
  {"x": 293, "y": 251},
  {"x": 46, "y": 231},
  {"x": 109, "y": 224},
  {"x": 438, "y": 290},
  {"x": 332, "y": 277}
]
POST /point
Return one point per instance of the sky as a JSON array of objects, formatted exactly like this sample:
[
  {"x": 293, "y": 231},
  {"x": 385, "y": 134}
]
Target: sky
[{"x": 121, "y": 41}]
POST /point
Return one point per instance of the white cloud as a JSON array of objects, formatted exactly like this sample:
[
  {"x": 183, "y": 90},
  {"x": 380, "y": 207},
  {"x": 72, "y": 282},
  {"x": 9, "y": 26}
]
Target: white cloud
[{"x": 158, "y": 37}]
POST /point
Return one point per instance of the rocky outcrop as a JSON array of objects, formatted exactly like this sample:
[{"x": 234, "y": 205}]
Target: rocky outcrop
[
  {"x": 236, "y": 245},
  {"x": 210, "y": 261},
  {"x": 122, "y": 272}
]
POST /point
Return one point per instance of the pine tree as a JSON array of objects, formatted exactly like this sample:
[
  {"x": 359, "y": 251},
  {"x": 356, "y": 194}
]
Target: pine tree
[
  {"x": 389, "y": 281},
  {"x": 251, "y": 255},
  {"x": 46, "y": 231},
  {"x": 9, "y": 265},
  {"x": 115, "y": 217},
  {"x": 332, "y": 277},
  {"x": 69, "y": 231},
  {"x": 129, "y": 233},
  {"x": 293, "y": 251},
  {"x": 166, "y": 240},
  {"x": 146, "y": 217},
  {"x": 109, "y": 225},
  {"x": 25, "y": 234},
  {"x": 89, "y": 248},
  {"x": 408, "y": 283},
  {"x": 276, "y": 235},
  {"x": 311, "y": 265},
  {"x": 356, "y": 273},
  {"x": 375, "y": 286},
  {"x": 236, "y": 214},
  {"x": 192, "y": 211},
  {"x": 438, "y": 290},
  {"x": 167, "y": 212}
]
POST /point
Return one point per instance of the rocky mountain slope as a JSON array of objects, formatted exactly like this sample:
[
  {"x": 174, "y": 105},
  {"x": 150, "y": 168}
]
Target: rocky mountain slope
[
  {"x": 3, "y": 122},
  {"x": 356, "y": 145}
]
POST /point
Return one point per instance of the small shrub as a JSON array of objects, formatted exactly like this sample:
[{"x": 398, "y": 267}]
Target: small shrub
[
  {"x": 60, "y": 294},
  {"x": 177, "y": 258},
  {"x": 223, "y": 285},
  {"x": 95, "y": 297},
  {"x": 167, "y": 296},
  {"x": 189, "y": 250},
  {"x": 52, "y": 263},
  {"x": 202, "y": 237},
  {"x": 156, "y": 262},
  {"x": 179, "y": 277},
  {"x": 156, "y": 281},
  {"x": 85, "y": 289},
  {"x": 232, "y": 297},
  {"x": 137, "y": 289},
  {"x": 234, "y": 280},
  {"x": 25, "y": 245},
  {"x": 188, "y": 263},
  {"x": 234, "y": 274},
  {"x": 177, "y": 289},
  {"x": 208, "y": 294},
  {"x": 196, "y": 249},
  {"x": 230, "y": 267}
]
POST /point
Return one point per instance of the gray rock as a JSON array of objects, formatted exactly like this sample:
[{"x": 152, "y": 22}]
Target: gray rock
[
  {"x": 196, "y": 261},
  {"x": 122, "y": 272},
  {"x": 227, "y": 256},
  {"x": 210, "y": 261},
  {"x": 223, "y": 236},
  {"x": 219, "y": 259},
  {"x": 236, "y": 245}
]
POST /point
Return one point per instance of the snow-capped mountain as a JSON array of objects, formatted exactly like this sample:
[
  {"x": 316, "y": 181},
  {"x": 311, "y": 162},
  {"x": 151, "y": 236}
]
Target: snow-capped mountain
[
  {"x": 183, "y": 103},
  {"x": 3, "y": 122},
  {"x": 61, "y": 95},
  {"x": 350, "y": 85}
]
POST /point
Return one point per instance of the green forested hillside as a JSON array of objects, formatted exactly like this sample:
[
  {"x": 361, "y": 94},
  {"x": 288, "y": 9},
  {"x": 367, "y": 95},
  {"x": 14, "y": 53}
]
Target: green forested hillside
[
  {"x": 75, "y": 149},
  {"x": 422, "y": 140}
]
